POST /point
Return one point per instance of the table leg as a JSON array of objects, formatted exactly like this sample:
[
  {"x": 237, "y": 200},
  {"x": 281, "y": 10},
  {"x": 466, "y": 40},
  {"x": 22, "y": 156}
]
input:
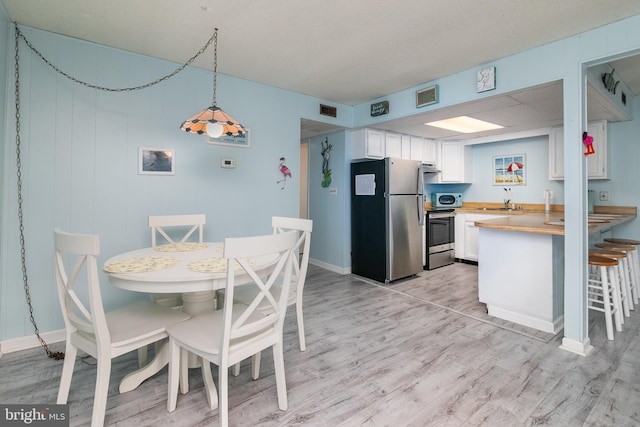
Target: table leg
[{"x": 135, "y": 378}]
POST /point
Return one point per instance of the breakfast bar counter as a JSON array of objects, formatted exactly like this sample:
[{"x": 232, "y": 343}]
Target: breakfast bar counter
[{"x": 521, "y": 264}]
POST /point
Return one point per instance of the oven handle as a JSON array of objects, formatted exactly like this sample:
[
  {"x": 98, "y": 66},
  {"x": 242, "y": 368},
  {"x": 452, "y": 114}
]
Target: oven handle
[{"x": 437, "y": 215}]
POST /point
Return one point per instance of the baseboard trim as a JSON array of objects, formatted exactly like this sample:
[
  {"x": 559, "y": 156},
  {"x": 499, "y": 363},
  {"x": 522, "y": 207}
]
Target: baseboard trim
[
  {"x": 31, "y": 341},
  {"x": 577, "y": 347},
  {"x": 330, "y": 267}
]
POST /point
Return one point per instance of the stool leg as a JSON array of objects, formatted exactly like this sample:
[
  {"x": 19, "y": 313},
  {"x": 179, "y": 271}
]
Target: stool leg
[
  {"x": 614, "y": 297},
  {"x": 606, "y": 295},
  {"x": 625, "y": 285},
  {"x": 635, "y": 273}
]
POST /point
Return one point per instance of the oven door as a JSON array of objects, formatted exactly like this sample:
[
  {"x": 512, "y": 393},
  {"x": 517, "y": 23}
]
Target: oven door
[{"x": 440, "y": 231}]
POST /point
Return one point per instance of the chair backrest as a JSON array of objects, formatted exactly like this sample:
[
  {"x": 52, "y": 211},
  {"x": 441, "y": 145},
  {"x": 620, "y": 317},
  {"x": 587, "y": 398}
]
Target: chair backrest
[
  {"x": 246, "y": 327},
  {"x": 77, "y": 268},
  {"x": 159, "y": 223},
  {"x": 304, "y": 227}
]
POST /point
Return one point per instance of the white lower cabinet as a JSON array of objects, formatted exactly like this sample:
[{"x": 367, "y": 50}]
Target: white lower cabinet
[
  {"x": 466, "y": 234},
  {"x": 596, "y": 163}
]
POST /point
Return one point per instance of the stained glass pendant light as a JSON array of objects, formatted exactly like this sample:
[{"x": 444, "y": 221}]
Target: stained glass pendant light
[{"x": 213, "y": 121}]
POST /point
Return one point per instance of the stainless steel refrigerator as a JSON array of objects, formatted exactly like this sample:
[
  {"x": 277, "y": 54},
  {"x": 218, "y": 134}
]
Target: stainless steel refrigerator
[{"x": 387, "y": 214}]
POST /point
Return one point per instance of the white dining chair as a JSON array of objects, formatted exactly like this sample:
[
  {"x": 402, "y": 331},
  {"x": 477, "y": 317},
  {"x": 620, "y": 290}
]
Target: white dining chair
[
  {"x": 237, "y": 331},
  {"x": 174, "y": 229},
  {"x": 303, "y": 227},
  {"x": 88, "y": 328}
]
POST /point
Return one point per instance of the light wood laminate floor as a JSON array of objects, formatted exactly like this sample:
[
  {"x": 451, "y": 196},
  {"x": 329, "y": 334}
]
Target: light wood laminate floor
[{"x": 381, "y": 355}]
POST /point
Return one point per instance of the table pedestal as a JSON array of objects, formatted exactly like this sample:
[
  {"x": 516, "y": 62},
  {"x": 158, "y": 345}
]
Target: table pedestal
[{"x": 195, "y": 303}]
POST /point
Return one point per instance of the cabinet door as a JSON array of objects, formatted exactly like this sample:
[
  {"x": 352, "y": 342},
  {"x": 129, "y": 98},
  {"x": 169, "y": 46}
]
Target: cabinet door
[
  {"x": 417, "y": 148},
  {"x": 375, "y": 144},
  {"x": 455, "y": 162},
  {"x": 393, "y": 145},
  {"x": 556, "y": 153},
  {"x": 459, "y": 234},
  {"x": 430, "y": 150},
  {"x": 406, "y": 147},
  {"x": 471, "y": 234},
  {"x": 596, "y": 163}
]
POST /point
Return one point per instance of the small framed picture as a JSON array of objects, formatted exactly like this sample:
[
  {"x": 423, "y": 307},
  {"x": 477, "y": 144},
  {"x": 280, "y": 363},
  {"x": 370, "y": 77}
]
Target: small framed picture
[
  {"x": 243, "y": 141},
  {"x": 509, "y": 170},
  {"x": 156, "y": 161}
]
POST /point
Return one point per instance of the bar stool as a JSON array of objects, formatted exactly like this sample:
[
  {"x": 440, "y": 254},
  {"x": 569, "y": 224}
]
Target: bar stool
[
  {"x": 623, "y": 285},
  {"x": 634, "y": 263},
  {"x": 628, "y": 265},
  {"x": 599, "y": 292}
]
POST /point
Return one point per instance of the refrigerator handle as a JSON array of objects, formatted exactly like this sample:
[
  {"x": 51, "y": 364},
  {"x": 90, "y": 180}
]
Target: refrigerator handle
[{"x": 419, "y": 197}]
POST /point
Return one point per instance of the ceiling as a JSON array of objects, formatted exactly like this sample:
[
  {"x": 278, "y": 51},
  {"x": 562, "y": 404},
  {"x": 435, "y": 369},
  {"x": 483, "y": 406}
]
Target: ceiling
[{"x": 345, "y": 52}]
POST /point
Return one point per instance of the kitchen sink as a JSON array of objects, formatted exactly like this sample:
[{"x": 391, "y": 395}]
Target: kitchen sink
[{"x": 498, "y": 209}]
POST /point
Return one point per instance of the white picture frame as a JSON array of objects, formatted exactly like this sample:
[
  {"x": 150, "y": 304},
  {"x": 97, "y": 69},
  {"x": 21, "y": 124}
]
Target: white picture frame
[{"x": 156, "y": 161}]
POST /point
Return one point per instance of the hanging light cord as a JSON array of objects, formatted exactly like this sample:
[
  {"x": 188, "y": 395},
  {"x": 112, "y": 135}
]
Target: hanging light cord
[
  {"x": 215, "y": 63},
  {"x": 23, "y": 256}
]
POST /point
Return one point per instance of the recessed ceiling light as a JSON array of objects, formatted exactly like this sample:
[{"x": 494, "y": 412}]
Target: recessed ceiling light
[{"x": 464, "y": 124}]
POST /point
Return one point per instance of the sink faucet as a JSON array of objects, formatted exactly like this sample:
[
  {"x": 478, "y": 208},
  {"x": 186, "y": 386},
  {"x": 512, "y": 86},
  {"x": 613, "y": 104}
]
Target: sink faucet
[{"x": 508, "y": 199}]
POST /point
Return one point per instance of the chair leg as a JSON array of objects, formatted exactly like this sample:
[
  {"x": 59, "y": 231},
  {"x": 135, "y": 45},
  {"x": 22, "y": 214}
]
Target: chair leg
[
  {"x": 223, "y": 406},
  {"x": 301, "y": 339},
  {"x": 255, "y": 365},
  {"x": 281, "y": 384},
  {"x": 184, "y": 371},
  {"x": 102, "y": 390},
  {"x": 174, "y": 375},
  {"x": 235, "y": 369},
  {"x": 67, "y": 372},
  {"x": 209, "y": 385}
]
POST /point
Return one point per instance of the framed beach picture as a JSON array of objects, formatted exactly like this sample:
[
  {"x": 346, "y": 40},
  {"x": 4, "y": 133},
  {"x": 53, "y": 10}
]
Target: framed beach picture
[
  {"x": 509, "y": 170},
  {"x": 243, "y": 141},
  {"x": 156, "y": 161}
]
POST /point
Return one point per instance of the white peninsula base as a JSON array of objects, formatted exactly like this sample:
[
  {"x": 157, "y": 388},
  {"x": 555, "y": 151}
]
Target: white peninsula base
[{"x": 521, "y": 277}]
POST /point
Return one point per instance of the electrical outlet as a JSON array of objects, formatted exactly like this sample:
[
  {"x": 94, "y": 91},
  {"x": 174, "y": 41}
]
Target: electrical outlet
[{"x": 604, "y": 196}]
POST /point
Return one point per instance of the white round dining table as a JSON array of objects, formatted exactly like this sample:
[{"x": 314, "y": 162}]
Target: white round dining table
[{"x": 174, "y": 272}]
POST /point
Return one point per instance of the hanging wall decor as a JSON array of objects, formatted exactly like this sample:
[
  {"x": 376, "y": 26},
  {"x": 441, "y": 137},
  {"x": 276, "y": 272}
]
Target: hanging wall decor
[
  {"x": 587, "y": 140},
  {"x": 326, "y": 154},
  {"x": 509, "y": 170},
  {"x": 284, "y": 170}
]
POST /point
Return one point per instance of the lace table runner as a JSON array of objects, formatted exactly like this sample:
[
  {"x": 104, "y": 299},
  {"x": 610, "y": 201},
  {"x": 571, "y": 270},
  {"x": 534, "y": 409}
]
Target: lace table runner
[
  {"x": 213, "y": 265},
  {"x": 142, "y": 265},
  {"x": 181, "y": 247}
]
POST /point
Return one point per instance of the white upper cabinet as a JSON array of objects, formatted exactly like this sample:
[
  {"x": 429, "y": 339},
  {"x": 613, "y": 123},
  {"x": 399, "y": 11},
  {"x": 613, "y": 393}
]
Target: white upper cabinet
[
  {"x": 406, "y": 147},
  {"x": 455, "y": 162},
  {"x": 393, "y": 145},
  {"x": 596, "y": 163},
  {"x": 430, "y": 150},
  {"x": 368, "y": 144},
  {"x": 417, "y": 148}
]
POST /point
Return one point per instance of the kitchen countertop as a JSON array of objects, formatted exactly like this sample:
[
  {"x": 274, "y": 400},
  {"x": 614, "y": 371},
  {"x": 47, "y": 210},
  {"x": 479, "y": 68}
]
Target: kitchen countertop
[{"x": 604, "y": 217}]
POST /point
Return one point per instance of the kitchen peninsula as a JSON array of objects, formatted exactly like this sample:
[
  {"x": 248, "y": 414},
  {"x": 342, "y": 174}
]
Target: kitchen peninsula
[{"x": 521, "y": 273}]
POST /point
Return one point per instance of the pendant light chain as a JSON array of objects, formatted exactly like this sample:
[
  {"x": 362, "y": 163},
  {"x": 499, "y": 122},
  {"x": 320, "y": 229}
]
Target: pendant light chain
[
  {"x": 23, "y": 256},
  {"x": 215, "y": 64},
  {"x": 108, "y": 89}
]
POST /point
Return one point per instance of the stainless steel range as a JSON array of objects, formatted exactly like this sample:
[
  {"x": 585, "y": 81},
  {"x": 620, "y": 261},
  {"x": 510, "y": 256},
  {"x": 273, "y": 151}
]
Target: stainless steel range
[{"x": 439, "y": 238}]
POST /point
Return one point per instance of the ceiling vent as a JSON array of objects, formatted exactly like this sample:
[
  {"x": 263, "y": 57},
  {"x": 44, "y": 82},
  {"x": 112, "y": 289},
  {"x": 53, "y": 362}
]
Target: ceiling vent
[
  {"x": 327, "y": 110},
  {"x": 427, "y": 96}
]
